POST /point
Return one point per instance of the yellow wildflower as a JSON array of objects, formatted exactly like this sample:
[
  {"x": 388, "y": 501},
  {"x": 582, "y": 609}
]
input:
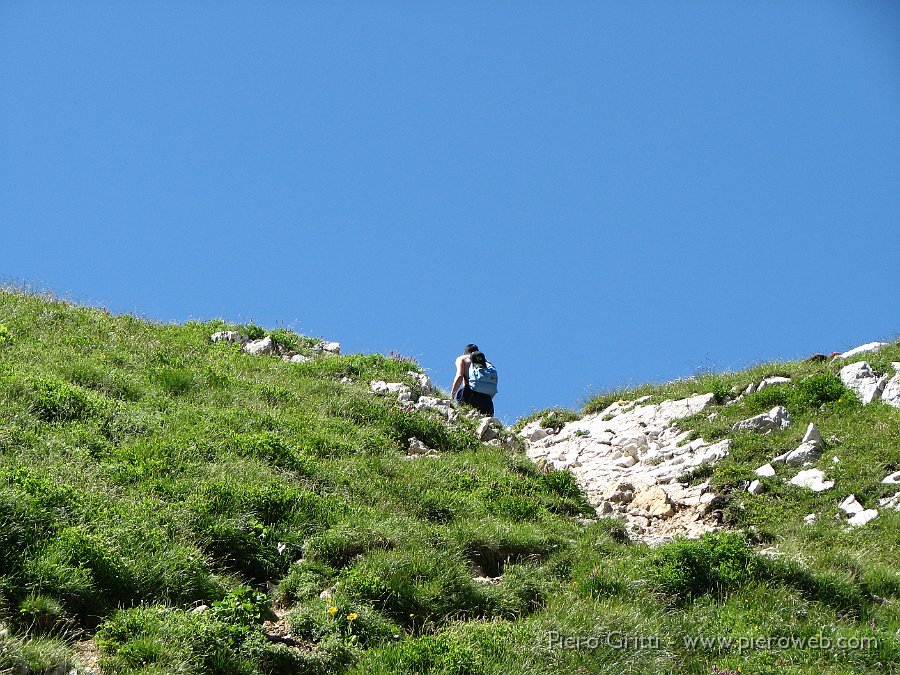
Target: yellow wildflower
[
  {"x": 332, "y": 610},
  {"x": 352, "y": 616}
]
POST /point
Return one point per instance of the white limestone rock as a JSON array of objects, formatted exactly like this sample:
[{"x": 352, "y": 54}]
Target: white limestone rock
[
  {"x": 755, "y": 488},
  {"x": 765, "y": 471},
  {"x": 809, "y": 519},
  {"x": 442, "y": 406},
  {"x": 381, "y": 387},
  {"x": 814, "y": 436},
  {"x": 418, "y": 449},
  {"x": 653, "y": 502},
  {"x": 425, "y": 383},
  {"x": 326, "y": 347},
  {"x": 891, "y": 502},
  {"x": 489, "y": 429},
  {"x": 891, "y": 393},
  {"x": 776, "y": 419},
  {"x": 862, "y": 349},
  {"x": 262, "y": 346},
  {"x": 631, "y": 448},
  {"x": 230, "y": 336},
  {"x": 625, "y": 461},
  {"x": 806, "y": 453},
  {"x": 850, "y": 505},
  {"x": 814, "y": 479},
  {"x": 863, "y": 517},
  {"x": 892, "y": 479},
  {"x": 533, "y": 431},
  {"x": 860, "y": 378},
  {"x": 299, "y": 358},
  {"x": 772, "y": 381}
]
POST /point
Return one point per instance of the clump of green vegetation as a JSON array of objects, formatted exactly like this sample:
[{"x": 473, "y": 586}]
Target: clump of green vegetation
[{"x": 145, "y": 471}]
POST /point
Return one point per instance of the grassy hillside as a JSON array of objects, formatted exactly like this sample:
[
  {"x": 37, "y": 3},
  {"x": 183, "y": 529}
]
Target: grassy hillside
[{"x": 186, "y": 508}]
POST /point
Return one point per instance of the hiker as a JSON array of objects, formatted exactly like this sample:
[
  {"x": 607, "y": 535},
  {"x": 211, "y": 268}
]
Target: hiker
[{"x": 476, "y": 380}]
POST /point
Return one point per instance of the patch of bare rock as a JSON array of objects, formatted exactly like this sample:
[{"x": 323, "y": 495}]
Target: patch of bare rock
[
  {"x": 268, "y": 346},
  {"x": 627, "y": 458},
  {"x": 490, "y": 430},
  {"x": 869, "y": 386}
]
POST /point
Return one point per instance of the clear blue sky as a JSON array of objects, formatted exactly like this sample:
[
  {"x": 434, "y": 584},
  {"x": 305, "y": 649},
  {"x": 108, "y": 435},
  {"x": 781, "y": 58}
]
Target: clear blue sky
[{"x": 598, "y": 193}]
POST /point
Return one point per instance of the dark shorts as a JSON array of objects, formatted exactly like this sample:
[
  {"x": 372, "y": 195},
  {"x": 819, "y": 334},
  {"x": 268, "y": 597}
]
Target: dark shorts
[{"x": 481, "y": 402}]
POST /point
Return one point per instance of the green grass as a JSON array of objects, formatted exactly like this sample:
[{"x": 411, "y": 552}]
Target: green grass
[{"x": 145, "y": 471}]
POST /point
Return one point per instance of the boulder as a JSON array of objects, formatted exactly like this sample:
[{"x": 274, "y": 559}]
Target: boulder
[
  {"x": 866, "y": 384},
  {"x": 489, "y": 429},
  {"x": 777, "y": 418},
  {"x": 424, "y": 381},
  {"x": 863, "y": 517},
  {"x": 265, "y": 345},
  {"x": 625, "y": 461},
  {"x": 653, "y": 502},
  {"x": 809, "y": 519},
  {"x": 755, "y": 488},
  {"x": 862, "y": 349},
  {"x": 443, "y": 406},
  {"x": 326, "y": 347},
  {"x": 418, "y": 449},
  {"x": 765, "y": 471},
  {"x": 533, "y": 431},
  {"x": 231, "y": 336},
  {"x": 813, "y": 436},
  {"x": 891, "y": 393},
  {"x": 814, "y": 479},
  {"x": 806, "y": 453},
  {"x": 772, "y": 381},
  {"x": 381, "y": 387},
  {"x": 892, "y": 479},
  {"x": 850, "y": 505},
  {"x": 891, "y": 502},
  {"x": 299, "y": 358}
]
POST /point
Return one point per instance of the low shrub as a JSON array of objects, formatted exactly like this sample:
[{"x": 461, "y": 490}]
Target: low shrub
[
  {"x": 58, "y": 401},
  {"x": 713, "y": 564}
]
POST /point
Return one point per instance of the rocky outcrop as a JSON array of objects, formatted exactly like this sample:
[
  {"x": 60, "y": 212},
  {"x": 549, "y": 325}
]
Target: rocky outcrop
[
  {"x": 231, "y": 336},
  {"x": 627, "y": 459},
  {"x": 866, "y": 384},
  {"x": 891, "y": 393},
  {"x": 268, "y": 346},
  {"x": 774, "y": 420},
  {"x": 327, "y": 348},
  {"x": 265, "y": 345},
  {"x": 417, "y": 448},
  {"x": 862, "y": 349}
]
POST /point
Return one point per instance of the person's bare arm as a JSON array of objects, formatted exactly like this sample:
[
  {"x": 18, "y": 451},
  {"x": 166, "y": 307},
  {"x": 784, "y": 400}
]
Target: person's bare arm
[{"x": 460, "y": 375}]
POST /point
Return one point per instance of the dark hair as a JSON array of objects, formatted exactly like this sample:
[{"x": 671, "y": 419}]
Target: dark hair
[
  {"x": 471, "y": 348},
  {"x": 478, "y": 358}
]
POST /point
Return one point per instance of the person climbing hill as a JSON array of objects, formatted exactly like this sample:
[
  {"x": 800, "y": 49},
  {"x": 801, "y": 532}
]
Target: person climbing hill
[{"x": 475, "y": 383}]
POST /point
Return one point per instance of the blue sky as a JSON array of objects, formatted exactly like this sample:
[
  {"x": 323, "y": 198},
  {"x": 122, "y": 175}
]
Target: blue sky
[{"x": 598, "y": 193}]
